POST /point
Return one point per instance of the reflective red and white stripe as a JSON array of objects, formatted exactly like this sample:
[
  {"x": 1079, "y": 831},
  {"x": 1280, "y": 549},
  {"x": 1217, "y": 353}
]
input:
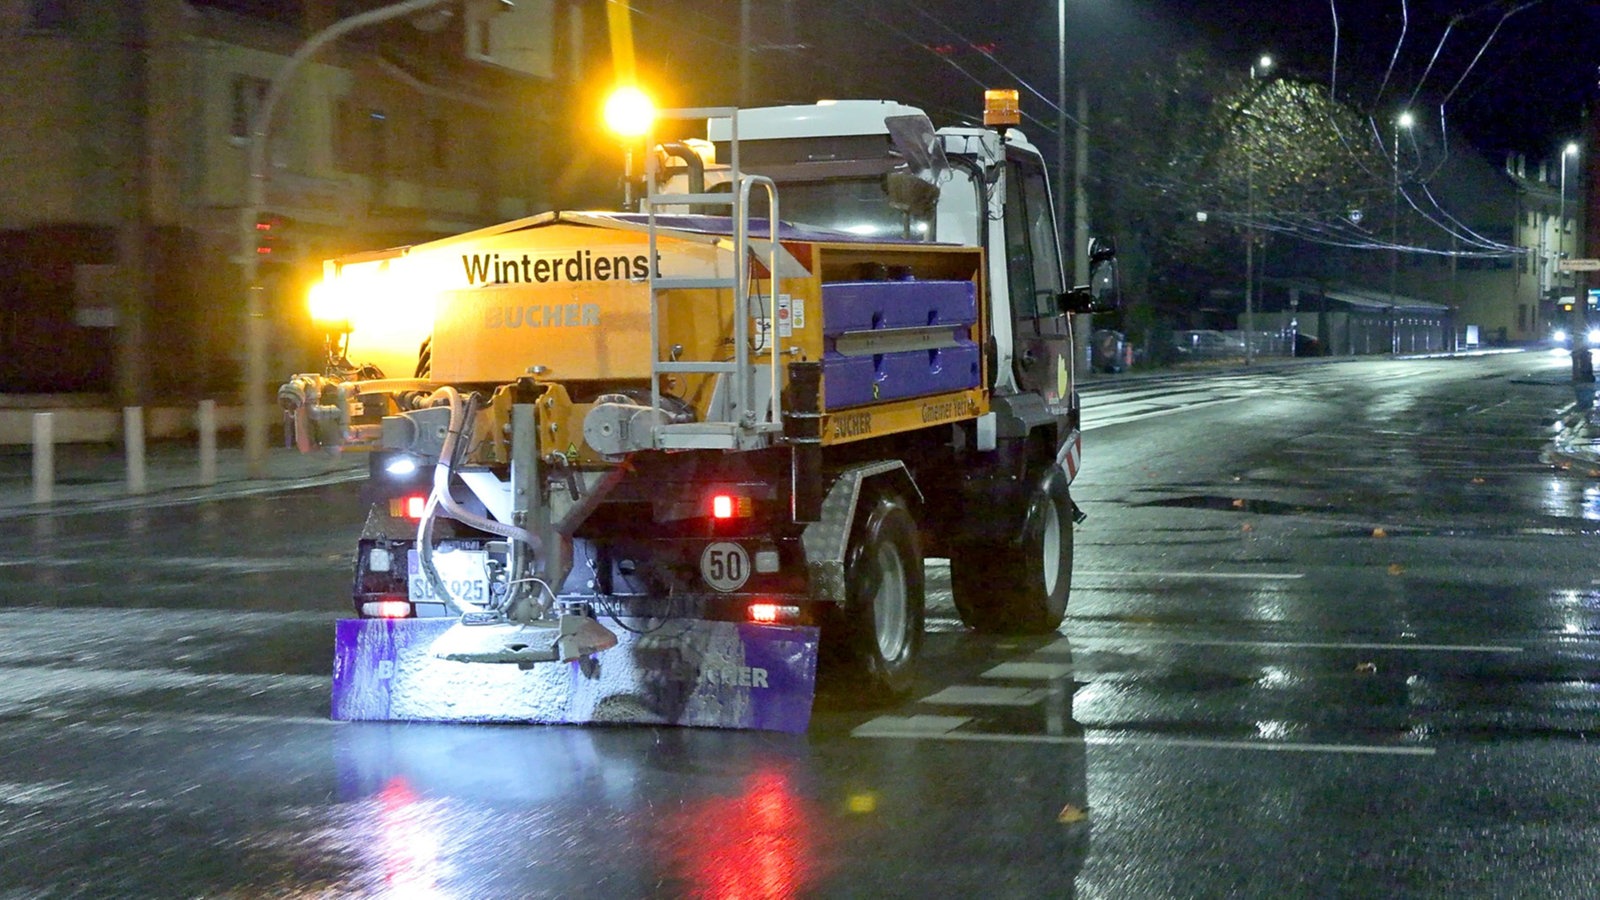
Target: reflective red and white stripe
[{"x": 1070, "y": 456}]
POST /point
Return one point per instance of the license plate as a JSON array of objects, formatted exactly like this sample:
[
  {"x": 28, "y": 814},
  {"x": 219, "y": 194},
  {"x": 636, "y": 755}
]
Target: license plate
[{"x": 464, "y": 572}]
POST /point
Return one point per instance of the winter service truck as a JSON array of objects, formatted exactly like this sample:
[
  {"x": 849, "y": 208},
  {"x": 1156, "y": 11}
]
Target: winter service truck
[{"x": 654, "y": 464}]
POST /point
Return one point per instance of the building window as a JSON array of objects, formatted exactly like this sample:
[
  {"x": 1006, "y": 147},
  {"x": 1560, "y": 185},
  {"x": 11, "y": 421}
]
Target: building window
[
  {"x": 439, "y": 143},
  {"x": 52, "y": 15},
  {"x": 249, "y": 94},
  {"x": 483, "y": 39},
  {"x": 1522, "y": 317},
  {"x": 346, "y": 140},
  {"x": 377, "y": 142}
]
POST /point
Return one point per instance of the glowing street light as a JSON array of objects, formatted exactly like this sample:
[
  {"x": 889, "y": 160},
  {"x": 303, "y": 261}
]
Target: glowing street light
[
  {"x": 1404, "y": 120},
  {"x": 629, "y": 113},
  {"x": 1258, "y": 70}
]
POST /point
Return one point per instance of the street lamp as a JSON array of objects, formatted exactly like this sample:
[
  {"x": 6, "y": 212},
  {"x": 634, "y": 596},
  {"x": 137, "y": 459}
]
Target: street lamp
[
  {"x": 1404, "y": 120},
  {"x": 1259, "y": 69},
  {"x": 255, "y": 363},
  {"x": 629, "y": 114}
]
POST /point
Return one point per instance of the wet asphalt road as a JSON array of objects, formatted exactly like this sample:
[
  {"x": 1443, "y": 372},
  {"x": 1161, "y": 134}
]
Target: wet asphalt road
[{"x": 1332, "y": 634}]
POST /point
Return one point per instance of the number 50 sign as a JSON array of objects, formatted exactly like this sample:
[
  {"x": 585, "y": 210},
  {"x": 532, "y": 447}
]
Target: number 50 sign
[{"x": 725, "y": 566}]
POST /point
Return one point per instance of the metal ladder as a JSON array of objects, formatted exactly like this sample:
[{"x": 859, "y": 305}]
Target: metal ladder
[{"x": 745, "y": 427}]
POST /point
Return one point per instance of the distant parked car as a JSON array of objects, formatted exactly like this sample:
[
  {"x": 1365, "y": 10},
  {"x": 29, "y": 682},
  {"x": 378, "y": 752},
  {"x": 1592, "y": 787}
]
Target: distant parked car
[{"x": 1207, "y": 344}]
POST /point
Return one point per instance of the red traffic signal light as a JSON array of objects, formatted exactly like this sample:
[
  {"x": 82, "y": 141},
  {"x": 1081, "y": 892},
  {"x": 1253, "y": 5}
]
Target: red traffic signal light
[{"x": 269, "y": 230}]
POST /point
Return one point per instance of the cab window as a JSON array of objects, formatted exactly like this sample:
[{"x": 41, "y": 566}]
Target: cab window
[{"x": 1033, "y": 258}]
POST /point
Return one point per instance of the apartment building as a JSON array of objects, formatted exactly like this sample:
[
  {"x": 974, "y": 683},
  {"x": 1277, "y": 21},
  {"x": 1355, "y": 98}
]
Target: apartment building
[{"x": 124, "y": 146}]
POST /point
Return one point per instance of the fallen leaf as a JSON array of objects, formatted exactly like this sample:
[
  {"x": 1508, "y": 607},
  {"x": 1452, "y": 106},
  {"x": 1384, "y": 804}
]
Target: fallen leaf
[
  {"x": 1071, "y": 814},
  {"x": 1238, "y": 503},
  {"x": 1379, "y": 532},
  {"x": 1247, "y": 527},
  {"x": 1477, "y": 481},
  {"x": 1367, "y": 668},
  {"x": 1396, "y": 569}
]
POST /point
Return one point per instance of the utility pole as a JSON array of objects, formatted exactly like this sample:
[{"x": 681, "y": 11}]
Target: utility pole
[
  {"x": 744, "y": 53},
  {"x": 125, "y": 109},
  {"x": 1249, "y": 249},
  {"x": 1078, "y": 249},
  {"x": 1259, "y": 70},
  {"x": 1588, "y": 213}
]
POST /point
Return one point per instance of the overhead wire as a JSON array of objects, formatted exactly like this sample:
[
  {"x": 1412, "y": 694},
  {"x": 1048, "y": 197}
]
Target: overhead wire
[
  {"x": 950, "y": 62},
  {"x": 965, "y": 41},
  {"x": 1444, "y": 221},
  {"x": 1405, "y": 25}
]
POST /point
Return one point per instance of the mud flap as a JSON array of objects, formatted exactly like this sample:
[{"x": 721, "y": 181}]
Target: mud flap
[{"x": 696, "y": 673}]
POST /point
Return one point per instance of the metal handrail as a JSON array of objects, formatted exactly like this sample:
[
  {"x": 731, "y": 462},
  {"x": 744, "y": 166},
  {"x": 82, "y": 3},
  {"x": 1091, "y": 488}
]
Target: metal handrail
[{"x": 774, "y": 335}]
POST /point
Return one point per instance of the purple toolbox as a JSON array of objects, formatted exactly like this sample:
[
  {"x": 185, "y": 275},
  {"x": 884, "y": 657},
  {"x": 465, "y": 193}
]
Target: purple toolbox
[{"x": 867, "y": 306}]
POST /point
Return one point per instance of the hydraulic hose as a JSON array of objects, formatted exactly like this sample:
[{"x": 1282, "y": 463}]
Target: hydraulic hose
[{"x": 439, "y": 500}]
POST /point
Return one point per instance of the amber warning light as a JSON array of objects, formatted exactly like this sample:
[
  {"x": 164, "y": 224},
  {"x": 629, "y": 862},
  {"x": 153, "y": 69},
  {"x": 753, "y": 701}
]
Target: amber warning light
[{"x": 1001, "y": 108}]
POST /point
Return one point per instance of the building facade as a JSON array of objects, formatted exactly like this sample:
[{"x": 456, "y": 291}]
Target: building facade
[{"x": 124, "y": 142}]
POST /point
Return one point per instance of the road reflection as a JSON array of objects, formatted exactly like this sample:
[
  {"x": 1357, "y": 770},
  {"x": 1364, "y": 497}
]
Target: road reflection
[
  {"x": 464, "y": 810},
  {"x": 759, "y": 842}
]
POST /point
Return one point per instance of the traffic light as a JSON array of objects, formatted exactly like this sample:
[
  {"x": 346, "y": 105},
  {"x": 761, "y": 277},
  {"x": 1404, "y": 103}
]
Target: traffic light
[{"x": 269, "y": 238}]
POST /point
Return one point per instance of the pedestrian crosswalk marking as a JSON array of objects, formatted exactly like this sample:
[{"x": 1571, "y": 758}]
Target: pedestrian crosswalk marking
[
  {"x": 1030, "y": 671},
  {"x": 986, "y": 695},
  {"x": 910, "y": 726}
]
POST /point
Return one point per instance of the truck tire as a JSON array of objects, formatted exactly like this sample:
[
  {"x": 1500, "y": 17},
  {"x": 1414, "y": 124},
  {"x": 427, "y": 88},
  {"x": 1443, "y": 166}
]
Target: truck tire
[
  {"x": 882, "y": 616},
  {"x": 1019, "y": 587}
]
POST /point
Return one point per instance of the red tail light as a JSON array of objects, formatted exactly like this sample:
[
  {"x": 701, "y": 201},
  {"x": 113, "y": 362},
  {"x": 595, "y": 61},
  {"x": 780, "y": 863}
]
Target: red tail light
[
  {"x": 730, "y": 506},
  {"x": 771, "y": 613},
  {"x": 387, "y": 608},
  {"x": 408, "y": 507}
]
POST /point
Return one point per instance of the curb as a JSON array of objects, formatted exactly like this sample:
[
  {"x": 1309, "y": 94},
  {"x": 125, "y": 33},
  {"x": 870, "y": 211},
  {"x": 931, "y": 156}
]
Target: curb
[
  {"x": 1576, "y": 446},
  {"x": 111, "y": 496}
]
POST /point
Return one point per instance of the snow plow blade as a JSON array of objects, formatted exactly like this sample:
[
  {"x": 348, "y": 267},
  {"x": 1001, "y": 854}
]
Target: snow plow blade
[{"x": 694, "y": 673}]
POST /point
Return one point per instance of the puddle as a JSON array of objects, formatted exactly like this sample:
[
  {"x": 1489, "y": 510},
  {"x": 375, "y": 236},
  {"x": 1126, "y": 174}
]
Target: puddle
[{"x": 1242, "y": 505}]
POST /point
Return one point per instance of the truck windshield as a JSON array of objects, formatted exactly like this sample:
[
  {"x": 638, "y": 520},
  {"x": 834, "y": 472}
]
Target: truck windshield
[{"x": 856, "y": 205}]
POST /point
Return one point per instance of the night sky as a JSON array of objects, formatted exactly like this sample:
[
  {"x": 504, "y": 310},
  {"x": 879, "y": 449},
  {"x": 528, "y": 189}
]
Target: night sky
[
  {"x": 1524, "y": 92},
  {"x": 1521, "y": 88}
]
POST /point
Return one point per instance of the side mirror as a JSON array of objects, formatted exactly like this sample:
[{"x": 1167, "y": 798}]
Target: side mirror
[{"x": 1101, "y": 294}]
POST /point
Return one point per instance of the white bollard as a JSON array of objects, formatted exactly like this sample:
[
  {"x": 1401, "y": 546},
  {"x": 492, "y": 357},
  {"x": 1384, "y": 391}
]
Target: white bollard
[
  {"x": 44, "y": 457},
  {"x": 207, "y": 424},
  {"x": 133, "y": 443}
]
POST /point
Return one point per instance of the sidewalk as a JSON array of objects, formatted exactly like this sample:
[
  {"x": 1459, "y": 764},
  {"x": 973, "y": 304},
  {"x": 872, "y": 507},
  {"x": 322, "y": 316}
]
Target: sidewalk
[
  {"x": 94, "y": 476},
  {"x": 1576, "y": 447}
]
